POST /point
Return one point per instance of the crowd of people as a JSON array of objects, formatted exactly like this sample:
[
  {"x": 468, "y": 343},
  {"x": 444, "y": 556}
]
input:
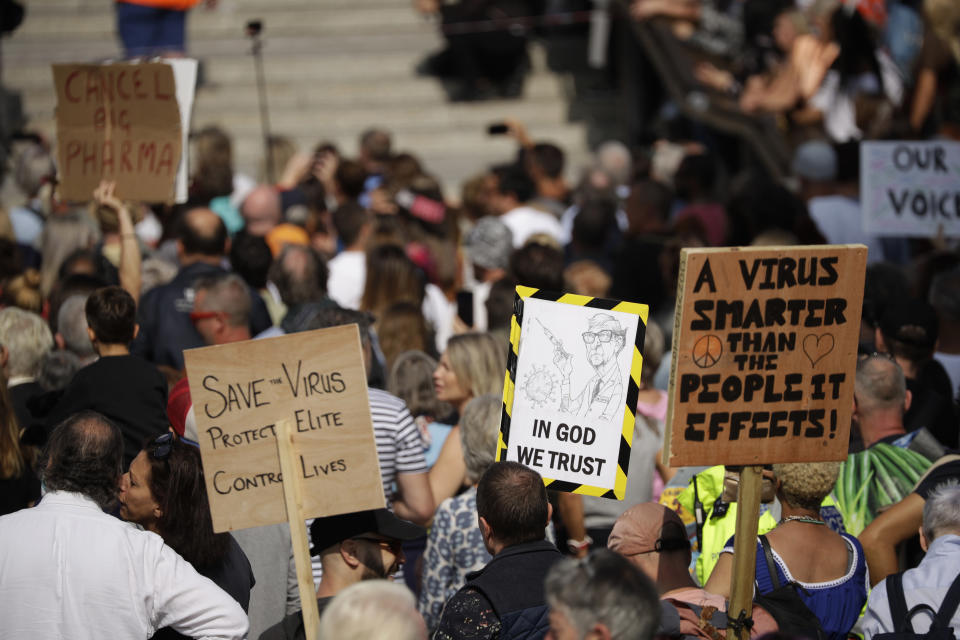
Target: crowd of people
[{"x": 105, "y": 526}]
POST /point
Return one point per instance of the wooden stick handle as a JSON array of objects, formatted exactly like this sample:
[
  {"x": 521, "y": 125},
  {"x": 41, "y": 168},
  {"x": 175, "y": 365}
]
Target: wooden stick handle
[
  {"x": 293, "y": 497},
  {"x": 745, "y": 546}
]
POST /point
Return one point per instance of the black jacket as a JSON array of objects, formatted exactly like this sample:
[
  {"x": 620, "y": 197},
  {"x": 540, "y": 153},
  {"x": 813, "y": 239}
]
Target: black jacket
[
  {"x": 164, "y": 317},
  {"x": 505, "y": 599}
]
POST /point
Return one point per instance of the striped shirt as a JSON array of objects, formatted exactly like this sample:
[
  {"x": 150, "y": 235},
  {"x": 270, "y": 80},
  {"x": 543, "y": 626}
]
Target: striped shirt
[{"x": 399, "y": 446}]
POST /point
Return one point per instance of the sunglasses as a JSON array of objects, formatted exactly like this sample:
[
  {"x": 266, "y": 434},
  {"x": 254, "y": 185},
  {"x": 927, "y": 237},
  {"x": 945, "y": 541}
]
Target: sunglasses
[
  {"x": 604, "y": 336},
  {"x": 197, "y": 316},
  {"x": 161, "y": 447}
]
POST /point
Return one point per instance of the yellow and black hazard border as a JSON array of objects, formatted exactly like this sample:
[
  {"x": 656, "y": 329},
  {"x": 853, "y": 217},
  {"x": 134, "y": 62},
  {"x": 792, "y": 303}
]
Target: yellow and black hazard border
[{"x": 633, "y": 387}]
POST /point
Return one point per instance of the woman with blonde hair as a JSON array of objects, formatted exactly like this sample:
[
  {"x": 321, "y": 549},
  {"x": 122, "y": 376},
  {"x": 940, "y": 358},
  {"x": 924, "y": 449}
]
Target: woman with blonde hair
[
  {"x": 472, "y": 365},
  {"x": 829, "y": 566}
]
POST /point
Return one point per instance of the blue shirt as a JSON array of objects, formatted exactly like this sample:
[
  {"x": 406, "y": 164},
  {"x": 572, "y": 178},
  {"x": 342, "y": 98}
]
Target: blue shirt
[{"x": 836, "y": 603}]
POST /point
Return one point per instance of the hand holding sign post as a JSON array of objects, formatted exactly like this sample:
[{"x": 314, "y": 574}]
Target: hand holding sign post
[{"x": 764, "y": 353}]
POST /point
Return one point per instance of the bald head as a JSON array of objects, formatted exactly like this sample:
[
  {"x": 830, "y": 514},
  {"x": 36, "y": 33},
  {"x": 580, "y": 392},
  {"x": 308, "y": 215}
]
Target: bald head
[
  {"x": 261, "y": 210},
  {"x": 203, "y": 234}
]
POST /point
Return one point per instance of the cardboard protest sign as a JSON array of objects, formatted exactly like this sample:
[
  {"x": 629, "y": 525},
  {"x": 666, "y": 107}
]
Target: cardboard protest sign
[
  {"x": 117, "y": 122},
  {"x": 910, "y": 188},
  {"x": 316, "y": 380},
  {"x": 570, "y": 392},
  {"x": 764, "y": 354}
]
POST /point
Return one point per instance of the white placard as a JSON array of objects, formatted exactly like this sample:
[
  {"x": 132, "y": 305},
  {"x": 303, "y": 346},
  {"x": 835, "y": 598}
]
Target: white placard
[
  {"x": 185, "y": 77},
  {"x": 910, "y": 188},
  {"x": 567, "y": 419}
]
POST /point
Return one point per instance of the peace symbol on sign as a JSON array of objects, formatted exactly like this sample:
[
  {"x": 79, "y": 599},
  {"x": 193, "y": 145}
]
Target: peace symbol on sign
[{"x": 707, "y": 351}]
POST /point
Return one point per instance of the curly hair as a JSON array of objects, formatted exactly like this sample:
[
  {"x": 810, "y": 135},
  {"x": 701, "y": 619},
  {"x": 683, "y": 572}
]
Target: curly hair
[
  {"x": 806, "y": 484},
  {"x": 177, "y": 484},
  {"x": 84, "y": 455}
]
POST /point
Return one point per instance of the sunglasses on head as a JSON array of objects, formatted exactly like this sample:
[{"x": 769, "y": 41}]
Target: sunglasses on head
[{"x": 161, "y": 447}]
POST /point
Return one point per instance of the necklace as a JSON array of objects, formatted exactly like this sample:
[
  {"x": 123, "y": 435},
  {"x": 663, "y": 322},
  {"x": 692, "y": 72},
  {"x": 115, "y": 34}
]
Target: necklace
[{"x": 806, "y": 519}]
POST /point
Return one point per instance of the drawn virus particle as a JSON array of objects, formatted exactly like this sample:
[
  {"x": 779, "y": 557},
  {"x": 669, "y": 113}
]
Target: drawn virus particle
[{"x": 538, "y": 385}]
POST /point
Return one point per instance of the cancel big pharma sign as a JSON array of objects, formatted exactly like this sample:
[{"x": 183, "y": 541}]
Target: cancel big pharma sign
[
  {"x": 764, "y": 354},
  {"x": 316, "y": 382}
]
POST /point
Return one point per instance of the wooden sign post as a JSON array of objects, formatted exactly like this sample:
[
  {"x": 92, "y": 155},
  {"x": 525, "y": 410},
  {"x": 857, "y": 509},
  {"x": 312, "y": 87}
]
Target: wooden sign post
[
  {"x": 745, "y": 545},
  {"x": 293, "y": 499},
  {"x": 570, "y": 392},
  {"x": 764, "y": 354}
]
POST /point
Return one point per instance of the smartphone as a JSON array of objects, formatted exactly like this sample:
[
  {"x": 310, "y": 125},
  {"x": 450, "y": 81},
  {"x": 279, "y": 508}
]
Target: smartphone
[
  {"x": 465, "y": 306},
  {"x": 497, "y": 129}
]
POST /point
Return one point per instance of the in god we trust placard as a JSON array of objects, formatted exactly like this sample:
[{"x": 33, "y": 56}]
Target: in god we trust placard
[{"x": 570, "y": 392}]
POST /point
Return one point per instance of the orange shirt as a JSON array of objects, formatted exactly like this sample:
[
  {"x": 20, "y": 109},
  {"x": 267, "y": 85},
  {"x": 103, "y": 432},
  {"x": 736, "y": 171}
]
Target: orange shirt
[{"x": 180, "y": 5}]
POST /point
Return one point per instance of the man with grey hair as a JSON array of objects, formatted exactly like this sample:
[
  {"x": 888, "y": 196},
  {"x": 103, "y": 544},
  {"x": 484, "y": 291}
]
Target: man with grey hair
[
  {"x": 71, "y": 570},
  {"x": 72, "y": 329},
  {"x": 601, "y": 596},
  {"x": 373, "y": 609},
  {"x": 880, "y": 399},
  {"x": 602, "y": 396},
  {"x": 24, "y": 339},
  {"x": 933, "y": 586},
  {"x": 221, "y": 308}
]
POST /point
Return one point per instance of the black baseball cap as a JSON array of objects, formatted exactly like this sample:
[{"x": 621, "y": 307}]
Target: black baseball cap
[
  {"x": 326, "y": 532},
  {"x": 913, "y": 322}
]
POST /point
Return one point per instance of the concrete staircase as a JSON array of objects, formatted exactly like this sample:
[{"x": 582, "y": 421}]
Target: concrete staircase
[{"x": 333, "y": 69}]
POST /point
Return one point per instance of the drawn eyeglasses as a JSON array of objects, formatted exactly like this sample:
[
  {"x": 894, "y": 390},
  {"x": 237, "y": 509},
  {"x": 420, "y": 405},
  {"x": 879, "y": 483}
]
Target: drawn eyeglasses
[{"x": 590, "y": 337}]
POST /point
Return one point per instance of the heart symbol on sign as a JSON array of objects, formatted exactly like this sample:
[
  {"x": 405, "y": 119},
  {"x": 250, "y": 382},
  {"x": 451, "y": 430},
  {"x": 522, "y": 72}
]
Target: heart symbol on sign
[{"x": 817, "y": 347}]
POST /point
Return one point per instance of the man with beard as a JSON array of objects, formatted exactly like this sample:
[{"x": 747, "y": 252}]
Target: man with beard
[{"x": 365, "y": 545}]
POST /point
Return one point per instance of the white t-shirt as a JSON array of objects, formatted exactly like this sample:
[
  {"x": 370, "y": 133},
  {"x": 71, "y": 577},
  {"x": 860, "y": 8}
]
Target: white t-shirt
[
  {"x": 527, "y": 221},
  {"x": 69, "y": 570},
  {"x": 348, "y": 275}
]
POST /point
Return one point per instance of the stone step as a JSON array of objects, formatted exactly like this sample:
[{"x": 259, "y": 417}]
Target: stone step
[
  {"x": 333, "y": 69},
  {"x": 234, "y": 45},
  {"x": 425, "y": 94},
  {"x": 310, "y": 20},
  {"x": 237, "y": 67},
  {"x": 64, "y": 8}
]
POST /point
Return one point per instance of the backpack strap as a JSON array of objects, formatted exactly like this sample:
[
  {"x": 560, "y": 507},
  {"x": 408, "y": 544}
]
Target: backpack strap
[
  {"x": 897, "y": 601},
  {"x": 771, "y": 564},
  {"x": 949, "y": 606}
]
